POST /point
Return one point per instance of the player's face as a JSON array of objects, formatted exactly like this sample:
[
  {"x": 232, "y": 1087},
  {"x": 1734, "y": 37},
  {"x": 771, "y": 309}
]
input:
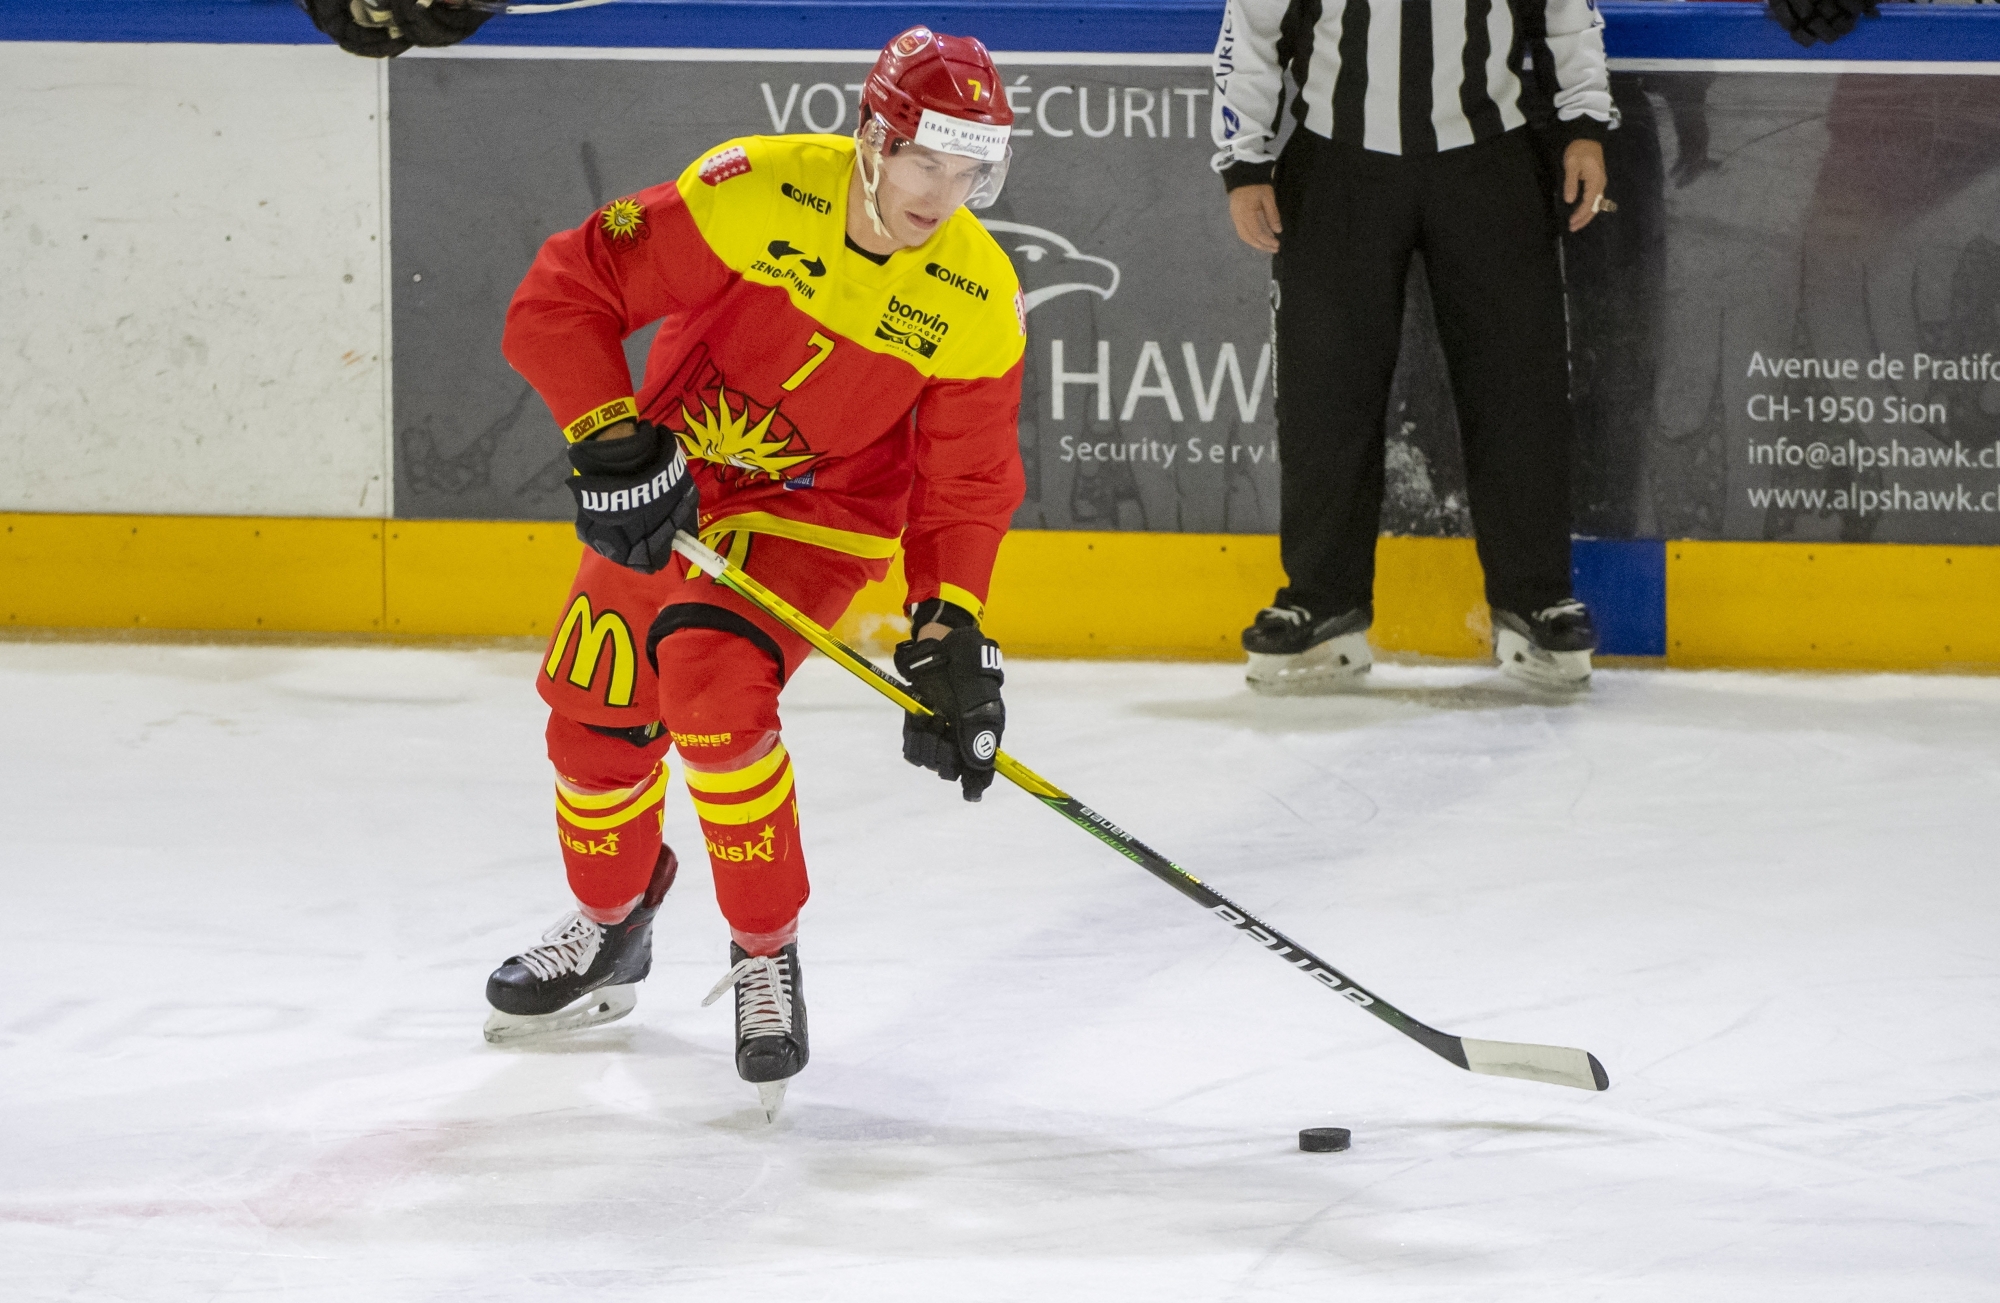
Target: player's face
[{"x": 922, "y": 187}]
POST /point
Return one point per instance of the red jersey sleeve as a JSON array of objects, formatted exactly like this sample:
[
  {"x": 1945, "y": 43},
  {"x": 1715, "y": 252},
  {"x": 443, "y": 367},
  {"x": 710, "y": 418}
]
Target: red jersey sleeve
[
  {"x": 968, "y": 483},
  {"x": 634, "y": 261}
]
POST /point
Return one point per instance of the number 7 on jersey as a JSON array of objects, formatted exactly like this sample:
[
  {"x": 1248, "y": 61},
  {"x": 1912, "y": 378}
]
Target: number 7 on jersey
[{"x": 822, "y": 349}]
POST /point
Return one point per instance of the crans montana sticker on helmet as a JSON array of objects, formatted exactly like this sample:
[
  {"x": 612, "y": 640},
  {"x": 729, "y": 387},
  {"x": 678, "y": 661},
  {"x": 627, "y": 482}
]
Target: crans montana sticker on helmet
[
  {"x": 911, "y": 41},
  {"x": 730, "y": 162}
]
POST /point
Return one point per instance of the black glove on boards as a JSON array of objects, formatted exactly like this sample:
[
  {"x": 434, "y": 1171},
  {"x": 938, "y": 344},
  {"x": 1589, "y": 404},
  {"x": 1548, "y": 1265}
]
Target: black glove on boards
[
  {"x": 632, "y": 496},
  {"x": 382, "y": 29},
  {"x": 1819, "y": 20},
  {"x": 959, "y": 677}
]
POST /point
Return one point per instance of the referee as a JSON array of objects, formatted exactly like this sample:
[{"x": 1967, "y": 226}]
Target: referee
[{"x": 1412, "y": 137}]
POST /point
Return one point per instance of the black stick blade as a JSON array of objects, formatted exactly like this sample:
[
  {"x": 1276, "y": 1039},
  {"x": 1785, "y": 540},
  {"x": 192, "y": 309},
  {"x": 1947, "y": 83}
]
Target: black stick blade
[{"x": 1556, "y": 1065}]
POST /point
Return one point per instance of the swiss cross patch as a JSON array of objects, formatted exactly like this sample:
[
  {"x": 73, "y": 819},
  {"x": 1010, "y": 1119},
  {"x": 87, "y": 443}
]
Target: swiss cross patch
[{"x": 730, "y": 162}]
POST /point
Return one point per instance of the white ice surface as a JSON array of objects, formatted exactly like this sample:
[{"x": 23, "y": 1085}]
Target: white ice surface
[{"x": 251, "y": 896}]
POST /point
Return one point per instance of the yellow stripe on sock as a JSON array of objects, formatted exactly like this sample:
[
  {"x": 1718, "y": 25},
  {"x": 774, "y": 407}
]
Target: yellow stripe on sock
[
  {"x": 747, "y": 811},
  {"x": 652, "y": 797},
  {"x": 604, "y": 800},
  {"x": 736, "y": 780}
]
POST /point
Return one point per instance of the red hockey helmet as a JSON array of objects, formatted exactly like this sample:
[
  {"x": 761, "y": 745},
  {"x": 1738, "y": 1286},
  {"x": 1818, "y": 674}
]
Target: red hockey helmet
[{"x": 941, "y": 93}]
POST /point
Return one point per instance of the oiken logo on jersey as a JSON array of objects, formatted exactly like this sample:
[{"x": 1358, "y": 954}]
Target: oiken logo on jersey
[
  {"x": 956, "y": 281},
  {"x": 805, "y": 198}
]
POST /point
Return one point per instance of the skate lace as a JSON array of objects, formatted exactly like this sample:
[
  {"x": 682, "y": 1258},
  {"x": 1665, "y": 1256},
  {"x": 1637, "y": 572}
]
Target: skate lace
[
  {"x": 1567, "y": 609},
  {"x": 568, "y": 947},
  {"x": 1292, "y": 615},
  {"x": 767, "y": 995}
]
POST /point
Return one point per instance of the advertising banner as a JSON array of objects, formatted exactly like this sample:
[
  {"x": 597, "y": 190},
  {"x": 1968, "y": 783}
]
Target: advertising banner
[{"x": 1790, "y": 330}]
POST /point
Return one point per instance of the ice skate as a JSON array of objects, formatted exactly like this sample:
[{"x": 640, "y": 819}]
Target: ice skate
[
  {"x": 583, "y": 974},
  {"x": 1549, "y": 649},
  {"x": 1293, "y": 654},
  {"x": 771, "y": 1044}
]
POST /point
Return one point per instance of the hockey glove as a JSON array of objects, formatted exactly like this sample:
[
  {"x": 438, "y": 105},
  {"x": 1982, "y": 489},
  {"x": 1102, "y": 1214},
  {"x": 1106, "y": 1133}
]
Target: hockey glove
[
  {"x": 436, "y": 22},
  {"x": 1819, "y": 20},
  {"x": 958, "y": 676},
  {"x": 632, "y": 494},
  {"x": 366, "y": 29},
  {"x": 382, "y": 29}
]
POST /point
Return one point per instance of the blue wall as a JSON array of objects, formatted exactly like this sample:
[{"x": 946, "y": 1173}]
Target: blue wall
[{"x": 1635, "y": 29}]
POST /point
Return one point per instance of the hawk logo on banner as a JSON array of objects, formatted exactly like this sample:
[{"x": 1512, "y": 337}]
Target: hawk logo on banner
[
  {"x": 624, "y": 219},
  {"x": 728, "y": 428},
  {"x": 1051, "y": 266}
]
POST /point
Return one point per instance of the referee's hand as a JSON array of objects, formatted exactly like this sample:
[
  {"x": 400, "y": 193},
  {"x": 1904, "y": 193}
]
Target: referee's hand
[
  {"x": 1254, "y": 209},
  {"x": 1583, "y": 182}
]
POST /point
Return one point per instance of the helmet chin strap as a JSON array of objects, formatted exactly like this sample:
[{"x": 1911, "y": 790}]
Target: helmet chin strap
[{"x": 869, "y": 203}]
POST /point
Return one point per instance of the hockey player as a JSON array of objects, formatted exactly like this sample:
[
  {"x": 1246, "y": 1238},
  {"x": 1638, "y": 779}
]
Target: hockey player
[{"x": 838, "y": 366}]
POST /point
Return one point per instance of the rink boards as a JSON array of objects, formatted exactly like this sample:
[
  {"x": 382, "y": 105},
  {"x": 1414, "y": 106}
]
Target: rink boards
[
  {"x": 1176, "y": 596},
  {"x": 250, "y": 385}
]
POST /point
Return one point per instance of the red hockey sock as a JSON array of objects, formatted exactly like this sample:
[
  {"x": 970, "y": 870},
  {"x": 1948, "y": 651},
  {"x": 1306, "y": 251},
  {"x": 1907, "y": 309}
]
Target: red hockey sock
[
  {"x": 750, "y": 819},
  {"x": 610, "y": 840},
  {"x": 608, "y": 807},
  {"x": 719, "y": 697}
]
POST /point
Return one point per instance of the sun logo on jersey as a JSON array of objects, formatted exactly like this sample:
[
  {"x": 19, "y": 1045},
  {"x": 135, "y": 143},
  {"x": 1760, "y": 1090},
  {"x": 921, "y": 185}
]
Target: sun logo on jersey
[
  {"x": 728, "y": 428},
  {"x": 623, "y": 219},
  {"x": 727, "y": 438}
]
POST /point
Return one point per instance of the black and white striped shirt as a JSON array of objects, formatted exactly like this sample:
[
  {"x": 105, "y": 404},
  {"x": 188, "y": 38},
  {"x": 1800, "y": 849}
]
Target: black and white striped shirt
[{"x": 1400, "y": 76}]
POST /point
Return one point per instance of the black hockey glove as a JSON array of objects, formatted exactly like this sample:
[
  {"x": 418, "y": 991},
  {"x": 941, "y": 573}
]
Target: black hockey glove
[
  {"x": 382, "y": 29},
  {"x": 632, "y": 494},
  {"x": 958, "y": 676},
  {"x": 436, "y": 22},
  {"x": 364, "y": 29},
  {"x": 1819, "y": 20}
]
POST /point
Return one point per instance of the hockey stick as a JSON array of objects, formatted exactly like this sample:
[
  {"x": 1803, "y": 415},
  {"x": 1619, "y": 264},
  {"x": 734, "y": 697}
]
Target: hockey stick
[
  {"x": 1555, "y": 1064},
  {"x": 502, "y": 7}
]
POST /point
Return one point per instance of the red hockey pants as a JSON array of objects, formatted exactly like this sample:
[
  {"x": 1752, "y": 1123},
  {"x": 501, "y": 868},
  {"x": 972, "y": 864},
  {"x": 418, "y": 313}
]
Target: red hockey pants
[{"x": 639, "y": 663}]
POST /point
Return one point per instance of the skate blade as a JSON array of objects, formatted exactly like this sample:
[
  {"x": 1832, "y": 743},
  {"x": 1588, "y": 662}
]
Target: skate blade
[
  {"x": 771, "y": 1094},
  {"x": 1336, "y": 665},
  {"x": 605, "y": 1004},
  {"x": 1523, "y": 661}
]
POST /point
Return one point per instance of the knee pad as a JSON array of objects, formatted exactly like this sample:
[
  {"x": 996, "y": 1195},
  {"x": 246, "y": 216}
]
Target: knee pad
[
  {"x": 717, "y": 619},
  {"x": 718, "y": 686},
  {"x": 603, "y": 757}
]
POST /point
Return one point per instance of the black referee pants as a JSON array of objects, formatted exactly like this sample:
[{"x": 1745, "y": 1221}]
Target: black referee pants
[{"x": 1351, "y": 221}]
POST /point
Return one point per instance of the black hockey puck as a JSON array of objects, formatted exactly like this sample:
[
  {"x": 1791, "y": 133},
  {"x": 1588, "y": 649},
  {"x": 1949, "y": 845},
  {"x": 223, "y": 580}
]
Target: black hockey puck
[{"x": 1324, "y": 1140}]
